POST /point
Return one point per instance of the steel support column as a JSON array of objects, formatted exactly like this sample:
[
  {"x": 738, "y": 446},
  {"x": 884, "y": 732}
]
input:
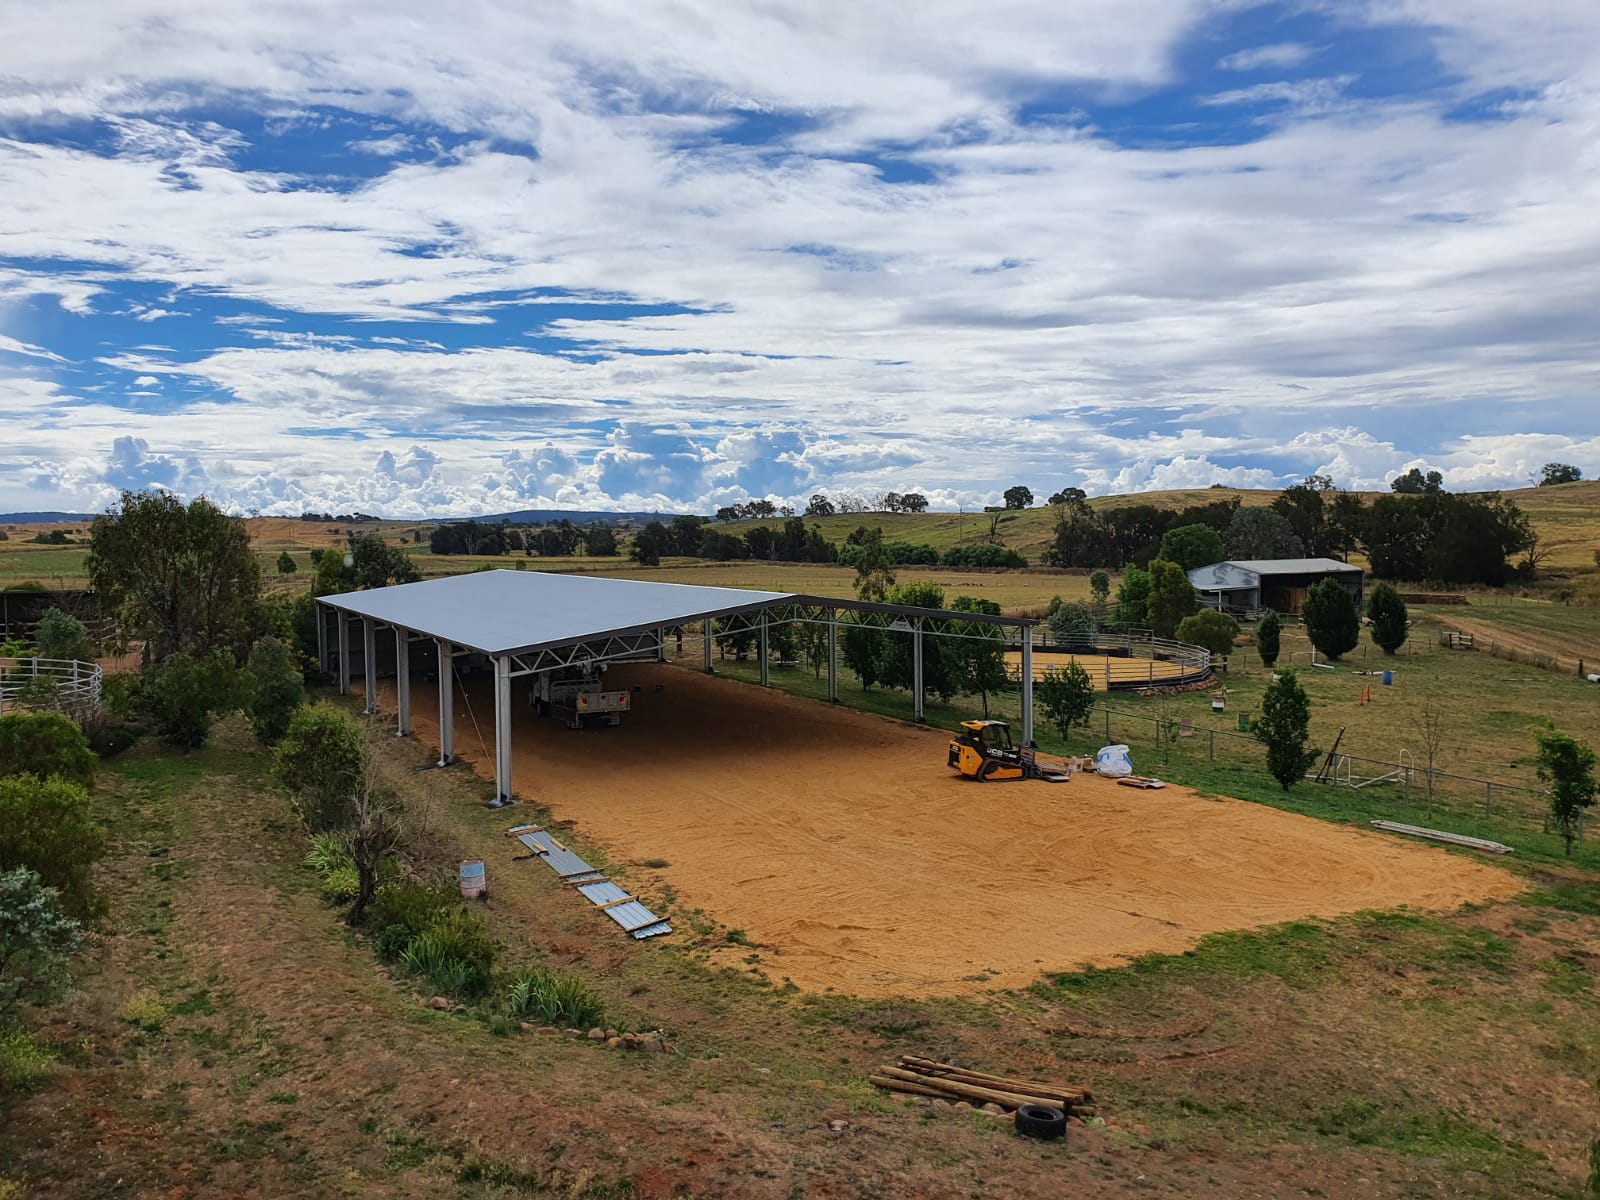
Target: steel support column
[
  {"x": 402, "y": 681},
  {"x": 764, "y": 682},
  {"x": 369, "y": 662},
  {"x": 661, "y": 644},
  {"x": 447, "y": 702},
  {"x": 502, "y": 730},
  {"x": 322, "y": 637},
  {"x": 1027, "y": 691},
  {"x": 833, "y": 655},
  {"x": 916, "y": 668},
  {"x": 706, "y": 627},
  {"x": 344, "y": 651}
]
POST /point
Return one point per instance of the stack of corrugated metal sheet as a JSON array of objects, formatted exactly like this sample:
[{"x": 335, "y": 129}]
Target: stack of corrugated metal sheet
[{"x": 634, "y": 918}]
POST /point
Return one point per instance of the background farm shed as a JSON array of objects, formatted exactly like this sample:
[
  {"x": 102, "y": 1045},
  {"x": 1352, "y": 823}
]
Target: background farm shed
[{"x": 1249, "y": 585}]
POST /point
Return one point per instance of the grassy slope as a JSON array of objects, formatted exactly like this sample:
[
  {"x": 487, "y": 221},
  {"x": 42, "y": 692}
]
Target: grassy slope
[{"x": 274, "y": 1054}]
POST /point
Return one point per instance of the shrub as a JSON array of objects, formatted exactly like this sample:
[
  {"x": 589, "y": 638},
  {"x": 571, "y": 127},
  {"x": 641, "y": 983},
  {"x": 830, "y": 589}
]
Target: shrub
[
  {"x": 322, "y": 760},
  {"x": 456, "y": 953},
  {"x": 330, "y": 857},
  {"x": 62, "y": 636},
  {"x": 918, "y": 554},
  {"x": 1284, "y": 727},
  {"x": 47, "y": 827},
  {"x": 1133, "y": 597},
  {"x": 392, "y": 943},
  {"x": 23, "y": 1063},
  {"x": 1212, "y": 630},
  {"x": 1100, "y": 587},
  {"x": 1269, "y": 635},
  {"x": 184, "y": 696},
  {"x": 1567, "y": 765},
  {"x": 1072, "y": 623},
  {"x": 1066, "y": 696},
  {"x": 36, "y": 940},
  {"x": 1388, "y": 613},
  {"x": 274, "y": 689},
  {"x": 1331, "y": 620},
  {"x": 47, "y": 745},
  {"x": 415, "y": 905},
  {"x": 145, "y": 1009},
  {"x": 120, "y": 697},
  {"x": 539, "y": 993}
]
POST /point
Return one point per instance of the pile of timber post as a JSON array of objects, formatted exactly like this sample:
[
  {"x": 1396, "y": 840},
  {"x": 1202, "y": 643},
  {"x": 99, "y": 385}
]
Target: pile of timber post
[{"x": 944, "y": 1081}]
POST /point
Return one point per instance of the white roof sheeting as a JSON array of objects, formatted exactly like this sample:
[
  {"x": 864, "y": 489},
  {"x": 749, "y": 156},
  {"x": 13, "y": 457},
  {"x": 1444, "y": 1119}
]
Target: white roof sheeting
[
  {"x": 1291, "y": 566},
  {"x": 507, "y": 612},
  {"x": 1242, "y": 574}
]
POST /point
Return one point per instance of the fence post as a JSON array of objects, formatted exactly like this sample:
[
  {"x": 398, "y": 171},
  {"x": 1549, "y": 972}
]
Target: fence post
[
  {"x": 1108, "y": 725},
  {"x": 1488, "y": 799}
]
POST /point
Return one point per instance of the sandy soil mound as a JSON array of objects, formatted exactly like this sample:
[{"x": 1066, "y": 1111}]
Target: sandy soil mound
[{"x": 844, "y": 847}]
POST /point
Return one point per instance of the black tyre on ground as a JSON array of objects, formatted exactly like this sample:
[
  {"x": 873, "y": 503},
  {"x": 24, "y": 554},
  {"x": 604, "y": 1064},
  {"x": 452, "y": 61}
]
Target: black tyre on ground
[{"x": 1041, "y": 1121}]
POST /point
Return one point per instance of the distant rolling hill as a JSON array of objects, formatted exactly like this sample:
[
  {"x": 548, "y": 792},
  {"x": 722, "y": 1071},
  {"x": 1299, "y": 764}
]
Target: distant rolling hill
[
  {"x": 544, "y": 516},
  {"x": 45, "y": 518}
]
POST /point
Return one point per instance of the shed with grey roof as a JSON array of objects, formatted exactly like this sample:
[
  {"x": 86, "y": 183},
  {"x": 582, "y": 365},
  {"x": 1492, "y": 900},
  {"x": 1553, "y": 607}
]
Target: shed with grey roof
[
  {"x": 1246, "y": 586},
  {"x": 520, "y": 624}
]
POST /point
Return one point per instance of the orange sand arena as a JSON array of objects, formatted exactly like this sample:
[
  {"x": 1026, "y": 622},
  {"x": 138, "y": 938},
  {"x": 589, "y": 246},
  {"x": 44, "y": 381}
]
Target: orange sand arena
[{"x": 856, "y": 861}]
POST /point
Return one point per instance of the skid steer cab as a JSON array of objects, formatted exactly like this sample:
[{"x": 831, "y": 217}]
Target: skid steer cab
[{"x": 983, "y": 750}]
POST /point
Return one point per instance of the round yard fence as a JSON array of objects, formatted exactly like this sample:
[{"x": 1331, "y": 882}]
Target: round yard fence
[{"x": 64, "y": 683}]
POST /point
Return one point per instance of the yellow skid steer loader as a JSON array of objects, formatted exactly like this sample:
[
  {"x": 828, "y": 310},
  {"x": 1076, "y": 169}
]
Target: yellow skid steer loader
[{"x": 982, "y": 750}]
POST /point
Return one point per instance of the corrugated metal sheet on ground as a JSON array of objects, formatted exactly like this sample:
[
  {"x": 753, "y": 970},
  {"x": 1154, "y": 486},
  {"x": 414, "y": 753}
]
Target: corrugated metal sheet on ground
[
  {"x": 634, "y": 918},
  {"x": 560, "y": 860}
]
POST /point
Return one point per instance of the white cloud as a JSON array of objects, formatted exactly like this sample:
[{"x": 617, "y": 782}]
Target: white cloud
[
  {"x": 818, "y": 324},
  {"x": 1299, "y": 93},
  {"x": 388, "y": 147},
  {"x": 1276, "y": 56},
  {"x": 145, "y": 381},
  {"x": 10, "y": 345},
  {"x": 132, "y": 467}
]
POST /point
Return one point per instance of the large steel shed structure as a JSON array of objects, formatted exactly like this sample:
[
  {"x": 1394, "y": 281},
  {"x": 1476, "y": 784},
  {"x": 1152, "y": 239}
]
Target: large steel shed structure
[{"x": 527, "y": 622}]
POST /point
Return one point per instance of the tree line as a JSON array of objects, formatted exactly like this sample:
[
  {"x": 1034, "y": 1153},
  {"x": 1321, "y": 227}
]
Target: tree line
[
  {"x": 559, "y": 539},
  {"x": 1410, "y": 535}
]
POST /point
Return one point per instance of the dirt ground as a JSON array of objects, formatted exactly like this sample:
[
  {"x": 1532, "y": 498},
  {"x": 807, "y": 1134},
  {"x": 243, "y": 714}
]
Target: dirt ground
[
  {"x": 1103, "y": 670},
  {"x": 845, "y": 849},
  {"x": 1565, "y": 649}
]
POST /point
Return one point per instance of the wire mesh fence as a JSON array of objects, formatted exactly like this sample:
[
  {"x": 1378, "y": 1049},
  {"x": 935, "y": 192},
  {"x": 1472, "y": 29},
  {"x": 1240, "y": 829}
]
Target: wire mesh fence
[{"x": 1423, "y": 789}]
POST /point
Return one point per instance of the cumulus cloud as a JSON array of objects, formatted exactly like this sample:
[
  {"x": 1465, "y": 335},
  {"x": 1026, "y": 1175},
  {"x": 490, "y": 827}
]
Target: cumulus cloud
[
  {"x": 414, "y": 469},
  {"x": 1179, "y": 472},
  {"x": 539, "y": 473},
  {"x": 682, "y": 275},
  {"x": 132, "y": 467}
]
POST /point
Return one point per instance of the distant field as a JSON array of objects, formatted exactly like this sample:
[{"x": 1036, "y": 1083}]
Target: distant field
[
  {"x": 1010, "y": 589},
  {"x": 22, "y": 560},
  {"x": 1567, "y": 519}
]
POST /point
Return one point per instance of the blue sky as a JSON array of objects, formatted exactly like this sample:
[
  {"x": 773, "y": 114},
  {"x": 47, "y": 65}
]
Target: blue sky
[{"x": 303, "y": 256}]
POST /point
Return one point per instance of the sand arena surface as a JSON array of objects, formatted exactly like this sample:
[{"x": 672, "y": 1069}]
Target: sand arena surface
[{"x": 845, "y": 848}]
